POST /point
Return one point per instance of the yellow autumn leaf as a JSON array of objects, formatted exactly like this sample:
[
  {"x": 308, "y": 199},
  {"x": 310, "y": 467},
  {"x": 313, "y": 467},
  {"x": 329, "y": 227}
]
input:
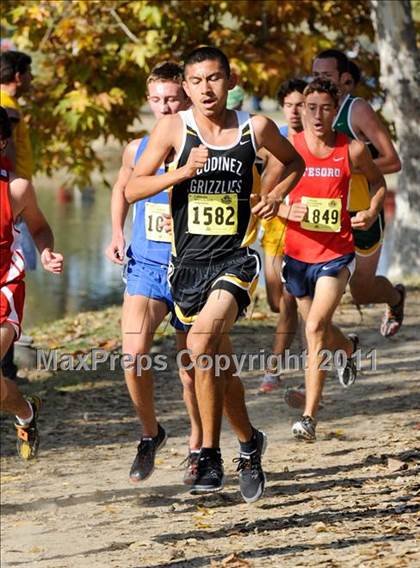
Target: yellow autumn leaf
[{"x": 7, "y": 478}]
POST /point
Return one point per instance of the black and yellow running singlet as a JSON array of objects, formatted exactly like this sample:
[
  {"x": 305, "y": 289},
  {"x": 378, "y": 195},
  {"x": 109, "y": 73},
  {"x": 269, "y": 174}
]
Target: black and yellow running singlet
[{"x": 211, "y": 212}]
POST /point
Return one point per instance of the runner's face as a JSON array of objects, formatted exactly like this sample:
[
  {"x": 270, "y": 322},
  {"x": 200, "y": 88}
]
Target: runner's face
[
  {"x": 319, "y": 113},
  {"x": 166, "y": 97},
  {"x": 292, "y": 107},
  {"x": 327, "y": 69},
  {"x": 207, "y": 86},
  {"x": 349, "y": 86}
]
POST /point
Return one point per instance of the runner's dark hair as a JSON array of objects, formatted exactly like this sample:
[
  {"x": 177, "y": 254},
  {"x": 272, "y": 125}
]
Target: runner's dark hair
[
  {"x": 206, "y": 53},
  {"x": 290, "y": 86},
  {"x": 323, "y": 86},
  {"x": 12, "y": 62},
  {"x": 339, "y": 56}
]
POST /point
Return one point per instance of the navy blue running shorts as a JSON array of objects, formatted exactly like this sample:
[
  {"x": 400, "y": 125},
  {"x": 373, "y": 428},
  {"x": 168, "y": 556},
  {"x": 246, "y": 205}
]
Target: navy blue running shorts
[{"x": 301, "y": 277}]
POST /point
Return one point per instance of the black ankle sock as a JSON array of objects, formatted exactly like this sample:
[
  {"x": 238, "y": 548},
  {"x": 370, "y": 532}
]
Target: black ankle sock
[
  {"x": 210, "y": 453},
  {"x": 251, "y": 445}
]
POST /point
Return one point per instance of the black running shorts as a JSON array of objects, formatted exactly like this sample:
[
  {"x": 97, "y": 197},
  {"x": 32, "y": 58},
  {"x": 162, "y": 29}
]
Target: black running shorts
[
  {"x": 191, "y": 283},
  {"x": 368, "y": 242}
]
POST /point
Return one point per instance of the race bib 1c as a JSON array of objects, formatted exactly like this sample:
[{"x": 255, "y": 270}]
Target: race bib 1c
[
  {"x": 153, "y": 222},
  {"x": 324, "y": 214},
  {"x": 213, "y": 214}
]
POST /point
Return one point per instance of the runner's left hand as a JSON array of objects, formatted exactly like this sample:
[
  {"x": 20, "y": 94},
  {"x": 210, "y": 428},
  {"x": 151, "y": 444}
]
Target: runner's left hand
[
  {"x": 265, "y": 208},
  {"x": 363, "y": 220}
]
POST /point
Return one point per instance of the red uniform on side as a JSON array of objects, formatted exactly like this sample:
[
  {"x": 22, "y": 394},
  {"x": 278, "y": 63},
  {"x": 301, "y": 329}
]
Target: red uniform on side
[
  {"x": 12, "y": 264},
  {"x": 324, "y": 187}
]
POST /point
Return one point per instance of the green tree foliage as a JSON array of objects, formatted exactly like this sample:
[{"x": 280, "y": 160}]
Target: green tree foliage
[{"x": 92, "y": 57}]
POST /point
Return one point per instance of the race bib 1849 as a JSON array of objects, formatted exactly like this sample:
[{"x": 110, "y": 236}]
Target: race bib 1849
[
  {"x": 324, "y": 214},
  {"x": 153, "y": 221},
  {"x": 213, "y": 214}
]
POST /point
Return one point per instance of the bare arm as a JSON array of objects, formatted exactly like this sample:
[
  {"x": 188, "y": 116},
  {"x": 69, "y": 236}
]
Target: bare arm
[
  {"x": 361, "y": 161},
  {"x": 272, "y": 173},
  {"x": 268, "y": 136},
  {"x": 24, "y": 203},
  {"x": 115, "y": 251},
  {"x": 164, "y": 139},
  {"x": 366, "y": 123}
]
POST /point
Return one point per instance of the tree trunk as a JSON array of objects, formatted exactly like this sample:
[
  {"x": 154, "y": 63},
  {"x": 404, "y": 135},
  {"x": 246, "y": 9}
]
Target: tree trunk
[{"x": 400, "y": 77}]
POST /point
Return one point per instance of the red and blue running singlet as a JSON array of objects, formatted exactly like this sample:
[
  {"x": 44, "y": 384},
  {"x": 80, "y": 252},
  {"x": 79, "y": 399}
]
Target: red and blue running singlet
[
  {"x": 12, "y": 265},
  {"x": 325, "y": 233}
]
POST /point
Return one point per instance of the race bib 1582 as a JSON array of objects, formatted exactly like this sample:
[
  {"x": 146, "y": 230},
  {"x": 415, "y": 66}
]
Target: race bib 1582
[
  {"x": 324, "y": 214},
  {"x": 213, "y": 214}
]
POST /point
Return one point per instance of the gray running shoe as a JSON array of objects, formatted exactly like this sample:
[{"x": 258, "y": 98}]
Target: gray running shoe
[
  {"x": 144, "y": 462},
  {"x": 191, "y": 467},
  {"x": 304, "y": 429},
  {"x": 347, "y": 375},
  {"x": 251, "y": 475},
  {"x": 210, "y": 475}
]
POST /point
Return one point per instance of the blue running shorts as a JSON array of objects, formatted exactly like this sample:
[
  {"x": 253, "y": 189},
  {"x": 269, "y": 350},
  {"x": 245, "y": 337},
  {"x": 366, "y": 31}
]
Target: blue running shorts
[
  {"x": 301, "y": 277},
  {"x": 150, "y": 281}
]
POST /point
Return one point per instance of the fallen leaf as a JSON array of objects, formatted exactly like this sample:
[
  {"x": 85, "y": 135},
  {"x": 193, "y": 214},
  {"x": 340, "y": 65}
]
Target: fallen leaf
[
  {"x": 396, "y": 465},
  {"x": 138, "y": 544},
  {"x": 36, "y": 549},
  {"x": 321, "y": 527},
  {"x": 7, "y": 478},
  {"x": 201, "y": 525},
  {"x": 110, "y": 509},
  {"x": 204, "y": 511},
  {"x": 234, "y": 561},
  {"x": 336, "y": 435}
]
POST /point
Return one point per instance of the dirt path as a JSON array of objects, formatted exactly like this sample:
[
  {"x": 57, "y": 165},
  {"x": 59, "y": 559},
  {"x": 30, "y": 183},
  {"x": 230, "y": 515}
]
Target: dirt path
[{"x": 338, "y": 502}]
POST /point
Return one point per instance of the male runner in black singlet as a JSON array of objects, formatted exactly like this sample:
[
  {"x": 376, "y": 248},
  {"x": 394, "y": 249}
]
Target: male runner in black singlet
[{"x": 213, "y": 272}]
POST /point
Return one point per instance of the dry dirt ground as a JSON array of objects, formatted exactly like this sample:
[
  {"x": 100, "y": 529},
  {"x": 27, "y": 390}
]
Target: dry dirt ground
[{"x": 349, "y": 500}]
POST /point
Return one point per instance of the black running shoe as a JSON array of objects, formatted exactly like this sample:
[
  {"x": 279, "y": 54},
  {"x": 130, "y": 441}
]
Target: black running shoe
[
  {"x": 191, "y": 467},
  {"x": 144, "y": 462},
  {"x": 27, "y": 442},
  {"x": 347, "y": 375},
  {"x": 251, "y": 475},
  {"x": 210, "y": 475}
]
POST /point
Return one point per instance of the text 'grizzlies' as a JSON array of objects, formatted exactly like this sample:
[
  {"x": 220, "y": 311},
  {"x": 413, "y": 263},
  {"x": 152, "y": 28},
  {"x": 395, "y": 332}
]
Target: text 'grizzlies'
[{"x": 213, "y": 186}]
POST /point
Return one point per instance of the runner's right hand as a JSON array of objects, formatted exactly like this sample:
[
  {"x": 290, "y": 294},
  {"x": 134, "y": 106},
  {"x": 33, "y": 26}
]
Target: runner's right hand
[
  {"x": 167, "y": 223},
  {"x": 297, "y": 212},
  {"x": 115, "y": 251},
  {"x": 196, "y": 160},
  {"x": 52, "y": 261}
]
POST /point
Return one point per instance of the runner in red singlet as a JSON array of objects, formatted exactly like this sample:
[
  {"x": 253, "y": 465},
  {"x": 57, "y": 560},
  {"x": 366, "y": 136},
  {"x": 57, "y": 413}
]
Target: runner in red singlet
[
  {"x": 17, "y": 197},
  {"x": 319, "y": 249}
]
